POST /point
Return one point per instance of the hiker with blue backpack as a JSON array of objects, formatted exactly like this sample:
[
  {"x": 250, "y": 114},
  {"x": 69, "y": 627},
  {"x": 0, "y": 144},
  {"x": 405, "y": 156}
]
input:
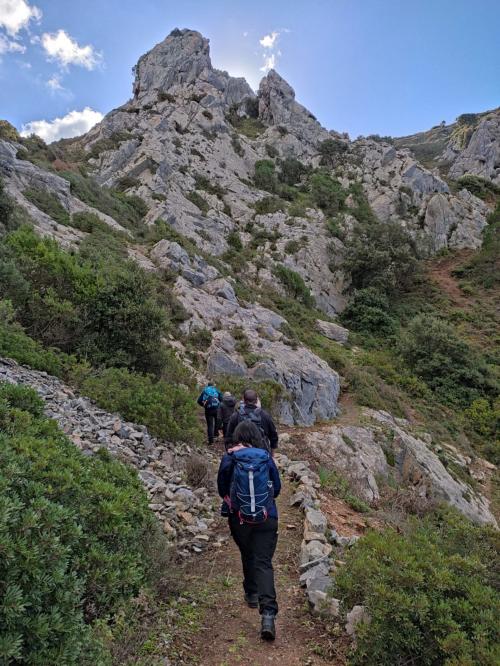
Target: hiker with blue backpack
[
  {"x": 250, "y": 410},
  {"x": 248, "y": 481},
  {"x": 210, "y": 398}
]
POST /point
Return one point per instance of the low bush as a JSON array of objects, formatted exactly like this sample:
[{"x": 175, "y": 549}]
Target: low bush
[
  {"x": 203, "y": 183},
  {"x": 269, "y": 205},
  {"x": 448, "y": 365},
  {"x": 164, "y": 405},
  {"x": 294, "y": 284},
  {"x": 265, "y": 175},
  {"x": 89, "y": 222},
  {"x": 127, "y": 210},
  {"x": 332, "y": 481},
  {"x": 291, "y": 171},
  {"x": 484, "y": 266},
  {"x": 270, "y": 392},
  {"x": 368, "y": 312},
  {"x": 198, "y": 201},
  {"x": 48, "y": 203},
  {"x": 430, "y": 593},
  {"x": 331, "y": 150},
  {"x": 382, "y": 256},
  {"x": 74, "y": 535},
  {"x": 327, "y": 193},
  {"x": 100, "y": 307},
  {"x": 480, "y": 187}
]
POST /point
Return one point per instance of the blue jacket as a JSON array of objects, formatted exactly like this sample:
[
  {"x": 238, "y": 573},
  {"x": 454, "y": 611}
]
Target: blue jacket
[{"x": 224, "y": 482}]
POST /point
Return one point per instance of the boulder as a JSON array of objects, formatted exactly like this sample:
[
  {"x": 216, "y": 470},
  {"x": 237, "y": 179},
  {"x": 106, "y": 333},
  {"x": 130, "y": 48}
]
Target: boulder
[{"x": 333, "y": 331}]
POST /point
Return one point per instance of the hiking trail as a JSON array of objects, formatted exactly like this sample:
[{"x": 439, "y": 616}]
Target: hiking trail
[{"x": 226, "y": 632}]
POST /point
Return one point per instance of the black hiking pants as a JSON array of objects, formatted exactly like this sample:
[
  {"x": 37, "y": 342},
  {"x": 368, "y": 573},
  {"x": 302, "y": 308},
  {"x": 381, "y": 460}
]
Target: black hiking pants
[
  {"x": 211, "y": 418},
  {"x": 257, "y": 544}
]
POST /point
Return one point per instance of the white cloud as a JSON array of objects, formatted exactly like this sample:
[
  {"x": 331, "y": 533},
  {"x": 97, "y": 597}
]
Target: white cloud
[
  {"x": 269, "y": 63},
  {"x": 66, "y": 51},
  {"x": 73, "y": 123},
  {"x": 16, "y": 14},
  {"x": 10, "y": 46},
  {"x": 268, "y": 40},
  {"x": 245, "y": 34},
  {"x": 54, "y": 83}
]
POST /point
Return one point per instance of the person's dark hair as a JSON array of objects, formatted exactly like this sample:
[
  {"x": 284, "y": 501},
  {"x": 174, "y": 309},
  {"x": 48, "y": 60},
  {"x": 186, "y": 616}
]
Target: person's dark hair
[
  {"x": 250, "y": 397},
  {"x": 210, "y": 384},
  {"x": 248, "y": 434}
]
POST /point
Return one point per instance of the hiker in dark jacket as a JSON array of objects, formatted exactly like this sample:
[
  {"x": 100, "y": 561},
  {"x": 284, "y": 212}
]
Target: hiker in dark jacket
[
  {"x": 210, "y": 398},
  {"x": 256, "y": 541},
  {"x": 226, "y": 410},
  {"x": 249, "y": 410}
]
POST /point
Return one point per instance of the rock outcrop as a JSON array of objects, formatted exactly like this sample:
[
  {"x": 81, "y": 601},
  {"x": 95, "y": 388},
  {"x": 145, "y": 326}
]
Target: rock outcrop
[{"x": 385, "y": 447}]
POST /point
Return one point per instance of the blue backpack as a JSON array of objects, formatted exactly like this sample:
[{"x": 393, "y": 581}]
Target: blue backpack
[
  {"x": 211, "y": 397},
  {"x": 252, "y": 492}
]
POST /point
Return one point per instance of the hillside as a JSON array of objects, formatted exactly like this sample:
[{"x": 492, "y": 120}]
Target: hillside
[{"x": 205, "y": 231}]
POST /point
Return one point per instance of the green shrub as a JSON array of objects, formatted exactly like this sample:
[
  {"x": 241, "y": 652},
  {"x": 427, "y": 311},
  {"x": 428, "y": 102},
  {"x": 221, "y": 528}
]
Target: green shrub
[
  {"x": 127, "y": 210},
  {"x": 480, "y": 187},
  {"x": 74, "y": 535},
  {"x": 327, "y": 193},
  {"x": 291, "y": 171},
  {"x": 331, "y": 150},
  {"x": 383, "y": 256},
  {"x": 483, "y": 417},
  {"x": 198, "y": 201},
  {"x": 250, "y": 127},
  {"x": 14, "y": 343},
  {"x": 448, "y": 365},
  {"x": 292, "y": 247},
  {"x": 429, "y": 593},
  {"x": 110, "y": 143},
  {"x": 265, "y": 176},
  {"x": 164, "y": 405},
  {"x": 270, "y": 392},
  {"x": 269, "y": 205},
  {"x": 6, "y": 209},
  {"x": 100, "y": 307},
  {"x": 332, "y": 481},
  {"x": 368, "y": 312},
  {"x": 89, "y": 222},
  {"x": 234, "y": 241},
  {"x": 48, "y": 203},
  {"x": 203, "y": 183},
  {"x": 200, "y": 338},
  {"x": 8, "y": 132},
  {"x": 294, "y": 284},
  {"x": 484, "y": 266}
]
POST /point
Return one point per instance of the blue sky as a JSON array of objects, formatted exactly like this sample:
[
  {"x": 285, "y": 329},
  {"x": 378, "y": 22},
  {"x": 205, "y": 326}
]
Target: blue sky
[{"x": 361, "y": 66}]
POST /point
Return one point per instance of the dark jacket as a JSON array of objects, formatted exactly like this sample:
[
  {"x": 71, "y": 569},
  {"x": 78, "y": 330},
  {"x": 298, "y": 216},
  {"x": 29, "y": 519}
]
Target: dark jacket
[
  {"x": 226, "y": 409},
  {"x": 203, "y": 396},
  {"x": 224, "y": 482},
  {"x": 267, "y": 426}
]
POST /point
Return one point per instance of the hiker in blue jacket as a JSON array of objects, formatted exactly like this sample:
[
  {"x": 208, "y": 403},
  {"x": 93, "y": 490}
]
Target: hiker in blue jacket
[
  {"x": 248, "y": 481},
  {"x": 210, "y": 398}
]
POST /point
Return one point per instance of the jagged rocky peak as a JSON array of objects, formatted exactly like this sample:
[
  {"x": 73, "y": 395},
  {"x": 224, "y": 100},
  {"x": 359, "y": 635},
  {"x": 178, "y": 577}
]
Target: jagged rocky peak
[
  {"x": 277, "y": 106},
  {"x": 179, "y": 59},
  {"x": 183, "y": 58}
]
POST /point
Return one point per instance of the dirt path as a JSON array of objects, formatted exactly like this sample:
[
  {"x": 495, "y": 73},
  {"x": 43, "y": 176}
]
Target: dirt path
[
  {"x": 441, "y": 273},
  {"x": 226, "y": 633}
]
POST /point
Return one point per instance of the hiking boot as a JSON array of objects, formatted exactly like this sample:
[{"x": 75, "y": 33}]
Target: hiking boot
[
  {"x": 252, "y": 600},
  {"x": 268, "y": 629}
]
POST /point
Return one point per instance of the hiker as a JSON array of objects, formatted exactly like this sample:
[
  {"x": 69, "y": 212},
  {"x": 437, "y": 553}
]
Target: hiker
[
  {"x": 210, "y": 398},
  {"x": 250, "y": 410},
  {"x": 248, "y": 481},
  {"x": 226, "y": 410}
]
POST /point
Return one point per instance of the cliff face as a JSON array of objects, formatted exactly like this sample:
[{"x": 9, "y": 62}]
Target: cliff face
[{"x": 188, "y": 142}]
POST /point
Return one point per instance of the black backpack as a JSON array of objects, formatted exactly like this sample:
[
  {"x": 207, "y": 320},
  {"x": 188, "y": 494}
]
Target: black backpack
[{"x": 255, "y": 416}]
